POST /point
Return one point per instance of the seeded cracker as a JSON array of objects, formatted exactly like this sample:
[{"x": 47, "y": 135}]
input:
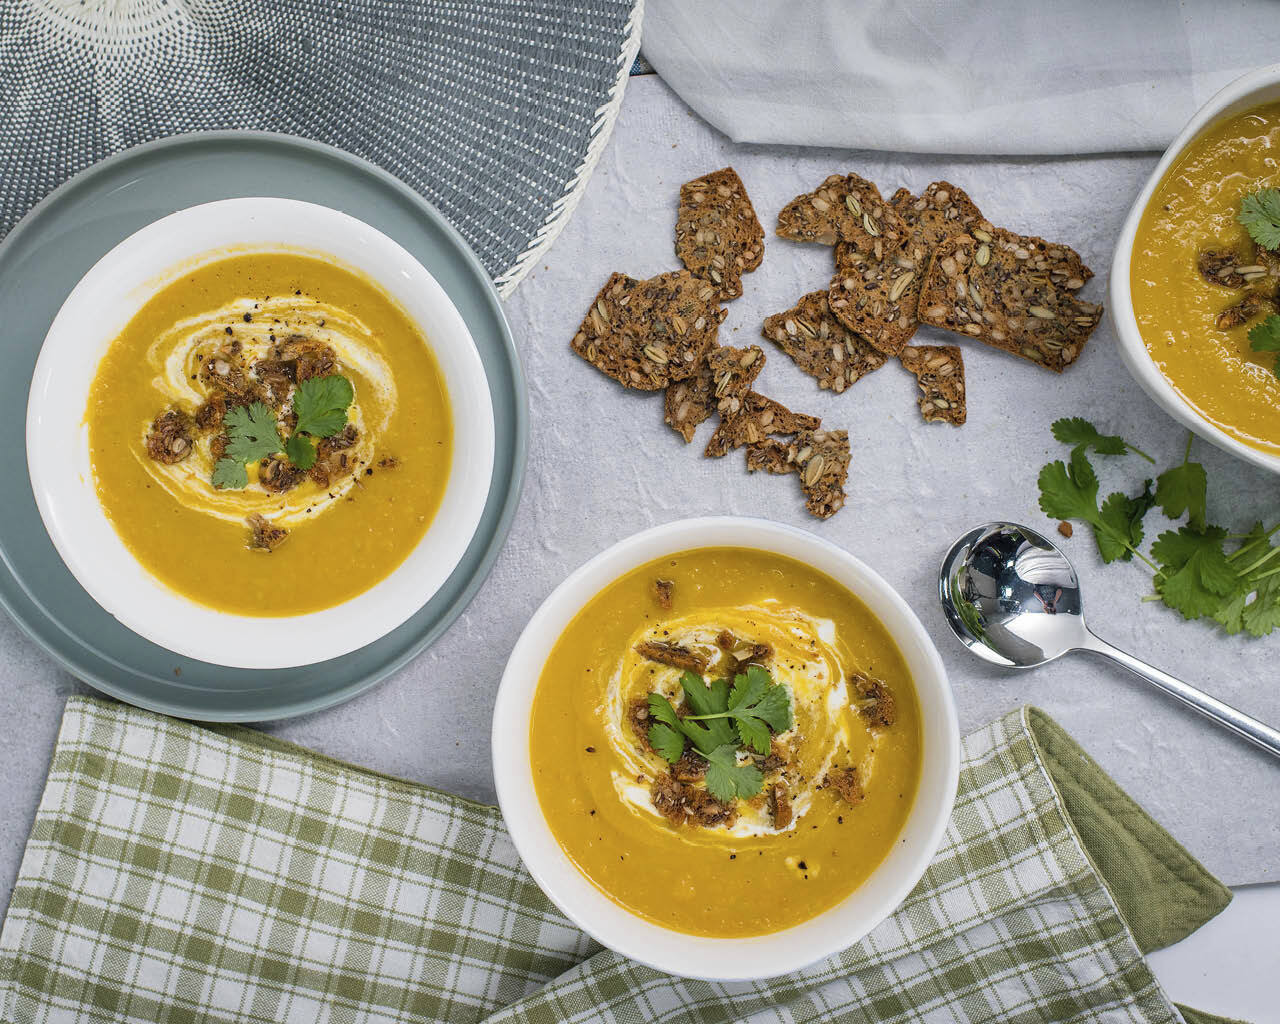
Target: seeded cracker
[
  {"x": 844, "y": 208},
  {"x": 718, "y": 236},
  {"x": 821, "y": 345},
  {"x": 645, "y": 334},
  {"x": 939, "y": 370},
  {"x": 1015, "y": 292},
  {"x": 878, "y": 298},
  {"x": 733, "y": 371},
  {"x": 690, "y": 402},
  {"x": 758, "y": 418},
  {"x": 820, "y": 458}
]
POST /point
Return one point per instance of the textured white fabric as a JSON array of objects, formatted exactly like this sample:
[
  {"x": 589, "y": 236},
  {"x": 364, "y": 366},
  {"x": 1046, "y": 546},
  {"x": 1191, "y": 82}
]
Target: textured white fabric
[{"x": 940, "y": 76}]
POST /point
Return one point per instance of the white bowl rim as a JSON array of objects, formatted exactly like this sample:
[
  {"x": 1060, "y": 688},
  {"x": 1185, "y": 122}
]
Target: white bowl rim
[
  {"x": 112, "y": 576},
  {"x": 679, "y": 953},
  {"x": 1235, "y": 97}
]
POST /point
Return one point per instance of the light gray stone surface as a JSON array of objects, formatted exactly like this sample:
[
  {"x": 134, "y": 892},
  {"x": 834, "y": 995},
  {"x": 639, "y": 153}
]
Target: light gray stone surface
[{"x": 602, "y": 465}]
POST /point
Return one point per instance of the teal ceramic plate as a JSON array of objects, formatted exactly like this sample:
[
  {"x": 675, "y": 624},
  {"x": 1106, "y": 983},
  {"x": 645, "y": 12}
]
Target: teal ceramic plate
[{"x": 40, "y": 262}]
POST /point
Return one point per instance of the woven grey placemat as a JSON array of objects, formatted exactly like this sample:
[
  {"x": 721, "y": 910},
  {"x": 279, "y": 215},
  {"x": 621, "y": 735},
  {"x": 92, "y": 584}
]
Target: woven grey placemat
[{"x": 495, "y": 110}]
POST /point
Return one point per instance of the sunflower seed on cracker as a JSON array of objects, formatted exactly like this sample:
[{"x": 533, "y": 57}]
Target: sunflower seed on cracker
[
  {"x": 646, "y": 334},
  {"x": 819, "y": 458},
  {"x": 733, "y": 371},
  {"x": 844, "y": 208},
  {"x": 718, "y": 236},
  {"x": 1222, "y": 266},
  {"x": 821, "y": 345},
  {"x": 1015, "y": 292},
  {"x": 759, "y": 417},
  {"x": 939, "y": 370},
  {"x": 878, "y": 298}
]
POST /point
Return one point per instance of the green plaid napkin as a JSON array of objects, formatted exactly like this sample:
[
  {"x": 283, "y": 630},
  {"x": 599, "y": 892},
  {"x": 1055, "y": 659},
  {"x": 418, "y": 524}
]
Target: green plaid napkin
[{"x": 177, "y": 873}]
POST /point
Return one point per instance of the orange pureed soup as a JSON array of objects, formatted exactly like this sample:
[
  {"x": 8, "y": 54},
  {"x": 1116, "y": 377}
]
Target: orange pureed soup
[
  {"x": 836, "y": 784},
  {"x": 247, "y": 333},
  {"x": 1193, "y": 209}
]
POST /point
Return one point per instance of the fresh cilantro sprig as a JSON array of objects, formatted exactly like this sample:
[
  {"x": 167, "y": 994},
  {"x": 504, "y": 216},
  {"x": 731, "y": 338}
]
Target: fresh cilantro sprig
[
  {"x": 1260, "y": 214},
  {"x": 1265, "y": 337},
  {"x": 252, "y": 435},
  {"x": 321, "y": 405},
  {"x": 724, "y": 719},
  {"x": 1193, "y": 573}
]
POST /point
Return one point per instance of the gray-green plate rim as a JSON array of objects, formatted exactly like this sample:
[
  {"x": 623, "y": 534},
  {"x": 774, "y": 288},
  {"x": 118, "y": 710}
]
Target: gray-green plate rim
[{"x": 481, "y": 553}]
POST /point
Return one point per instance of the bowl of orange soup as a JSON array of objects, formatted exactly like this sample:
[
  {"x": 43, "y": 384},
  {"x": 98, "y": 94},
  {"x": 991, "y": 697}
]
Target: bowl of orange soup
[
  {"x": 725, "y": 748},
  {"x": 1196, "y": 270},
  {"x": 259, "y": 433}
]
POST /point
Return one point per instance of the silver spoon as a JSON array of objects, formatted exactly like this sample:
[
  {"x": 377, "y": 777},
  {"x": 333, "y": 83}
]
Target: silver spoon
[{"x": 1013, "y": 599}]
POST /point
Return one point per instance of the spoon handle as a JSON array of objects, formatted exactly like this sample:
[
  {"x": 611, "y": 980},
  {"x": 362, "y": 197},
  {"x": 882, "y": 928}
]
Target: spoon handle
[{"x": 1238, "y": 722}]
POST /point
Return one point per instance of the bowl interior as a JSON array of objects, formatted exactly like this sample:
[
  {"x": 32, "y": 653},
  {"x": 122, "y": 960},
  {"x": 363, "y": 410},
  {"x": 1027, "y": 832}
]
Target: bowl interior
[
  {"x": 1251, "y": 90},
  {"x": 99, "y": 307},
  {"x": 677, "y": 952}
]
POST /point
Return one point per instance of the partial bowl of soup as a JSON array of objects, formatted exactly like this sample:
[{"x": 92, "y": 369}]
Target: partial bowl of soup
[
  {"x": 1195, "y": 280},
  {"x": 725, "y": 748},
  {"x": 260, "y": 434}
]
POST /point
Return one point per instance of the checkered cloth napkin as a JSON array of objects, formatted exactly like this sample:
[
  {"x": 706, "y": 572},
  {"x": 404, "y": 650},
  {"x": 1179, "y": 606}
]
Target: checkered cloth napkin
[{"x": 180, "y": 873}]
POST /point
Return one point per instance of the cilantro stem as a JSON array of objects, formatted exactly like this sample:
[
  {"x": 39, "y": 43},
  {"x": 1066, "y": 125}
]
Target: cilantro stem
[
  {"x": 1123, "y": 541},
  {"x": 1186, "y": 455},
  {"x": 1269, "y": 572},
  {"x": 1138, "y": 451},
  {"x": 1255, "y": 564}
]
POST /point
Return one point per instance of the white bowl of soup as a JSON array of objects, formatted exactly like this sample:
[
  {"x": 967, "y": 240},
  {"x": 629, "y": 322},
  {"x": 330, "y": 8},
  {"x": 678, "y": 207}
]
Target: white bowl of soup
[
  {"x": 669, "y": 832},
  {"x": 1189, "y": 284},
  {"x": 259, "y": 433}
]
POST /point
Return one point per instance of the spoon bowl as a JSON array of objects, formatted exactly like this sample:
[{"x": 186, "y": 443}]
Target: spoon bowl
[{"x": 1011, "y": 596}]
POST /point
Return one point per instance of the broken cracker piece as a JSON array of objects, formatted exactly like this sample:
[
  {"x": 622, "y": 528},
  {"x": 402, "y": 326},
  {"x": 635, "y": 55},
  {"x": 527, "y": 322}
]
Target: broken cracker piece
[
  {"x": 844, "y": 208},
  {"x": 939, "y": 370},
  {"x": 820, "y": 458},
  {"x": 878, "y": 298},
  {"x": 1015, "y": 292},
  {"x": 689, "y": 402},
  {"x": 821, "y": 345},
  {"x": 1245, "y": 310},
  {"x": 645, "y": 334},
  {"x": 873, "y": 700},
  {"x": 718, "y": 236},
  {"x": 672, "y": 654},
  {"x": 759, "y": 418}
]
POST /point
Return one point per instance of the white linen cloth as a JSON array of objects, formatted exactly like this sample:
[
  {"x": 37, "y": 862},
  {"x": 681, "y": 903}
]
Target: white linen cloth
[{"x": 940, "y": 76}]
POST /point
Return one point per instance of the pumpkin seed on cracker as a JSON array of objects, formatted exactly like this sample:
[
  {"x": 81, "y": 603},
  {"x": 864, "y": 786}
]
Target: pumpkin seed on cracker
[
  {"x": 646, "y": 334},
  {"x": 844, "y": 208},
  {"x": 878, "y": 298},
  {"x": 939, "y": 370},
  {"x": 718, "y": 236},
  {"x": 1015, "y": 292},
  {"x": 819, "y": 458},
  {"x": 760, "y": 417},
  {"x": 821, "y": 345}
]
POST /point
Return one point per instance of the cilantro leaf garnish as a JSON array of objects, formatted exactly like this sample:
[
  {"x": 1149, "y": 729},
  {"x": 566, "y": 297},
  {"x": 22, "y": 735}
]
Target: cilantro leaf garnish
[
  {"x": 725, "y": 718},
  {"x": 1184, "y": 489},
  {"x": 1194, "y": 572},
  {"x": 1080, "y": 433},
  {"x": 1123, "y": 515},
  {"x": 1265, "y": 337},
  {"x": 301, "y": 452},
  {"x": 252, "y": 431},
  {"x": 1260, "y": 214},
  {"x": 321, "y": 404},
  {"x": 1070, "y": 491},
  {"x": 727, "y": 779},
  {"x": 230, "y": 475}
]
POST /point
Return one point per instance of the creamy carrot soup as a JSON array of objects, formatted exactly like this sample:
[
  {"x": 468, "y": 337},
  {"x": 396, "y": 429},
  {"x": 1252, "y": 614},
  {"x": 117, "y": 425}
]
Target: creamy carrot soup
[
  {"x": 270, "y": 434},
  {"x": 704, "y": 826}
]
